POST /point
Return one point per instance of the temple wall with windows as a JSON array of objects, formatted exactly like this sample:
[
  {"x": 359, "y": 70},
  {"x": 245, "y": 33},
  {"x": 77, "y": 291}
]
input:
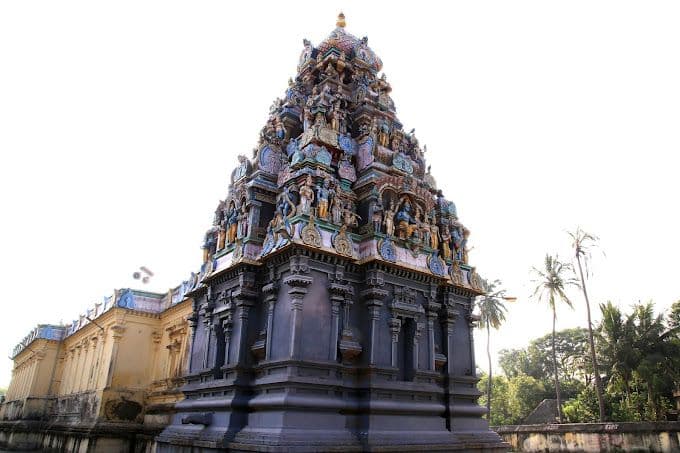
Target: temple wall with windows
[{"x": 120, "y": 361}]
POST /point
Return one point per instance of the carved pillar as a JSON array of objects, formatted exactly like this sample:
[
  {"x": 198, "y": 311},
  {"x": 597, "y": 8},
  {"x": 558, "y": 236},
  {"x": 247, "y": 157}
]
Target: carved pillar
[
  {"x": 339, "y": 292},
  {"x": 193, "y": 323},
  {"x": 297, "y": 284},
  {"x": 336, "y": 300},
  {"x": 254, "y": 208},
  {"x": 207, "y": 323},
  {"x": 67, "y": 371},
  {"x": 395, "y": 327},
  {"x": 431, "y": 311},
  {"x": 36, "y": 359},
  {"x": 373, "y": 297},
  {"x": 448, "y": 321},
  {"x": 416, "y": 343},
  {"x": 227, "y": 327},
  {"x": 82, "y": 355},
  {"x": 472, "y": 320},
  {"x": 270, "y": 292},
  {"x": 117, "y": 331},
  {"x": 101, "y": 343},
  {"x": 244, "y": 297}
]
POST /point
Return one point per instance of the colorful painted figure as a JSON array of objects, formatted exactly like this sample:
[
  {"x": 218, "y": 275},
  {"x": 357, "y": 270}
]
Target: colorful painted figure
[
  {"x": 434, "y": 234},
  {"x": 389, "y": 220},
  {"x": 232, "y": 224},
  {"x": 242, "y": 230},
  {"x": 446, "y": 243},
  {"x": 323, "y": 194},
  {"x": 306, "y": 196},
  {"x": 405, "y": 221},
  {"x": 336, "y": 211}
]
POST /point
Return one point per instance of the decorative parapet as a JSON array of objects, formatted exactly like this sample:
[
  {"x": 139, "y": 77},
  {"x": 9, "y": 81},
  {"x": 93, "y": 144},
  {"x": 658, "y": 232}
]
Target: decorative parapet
[{"x": 41, "y": 331}]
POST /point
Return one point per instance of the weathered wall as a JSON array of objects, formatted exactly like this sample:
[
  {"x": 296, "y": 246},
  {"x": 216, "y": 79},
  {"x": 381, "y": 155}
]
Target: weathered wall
[
  {"x": 33, "y": 370},
  {"x": 594, "y": 437},
  {"x": 170, "y": 351},
  {"x": 94, "y": 438}
]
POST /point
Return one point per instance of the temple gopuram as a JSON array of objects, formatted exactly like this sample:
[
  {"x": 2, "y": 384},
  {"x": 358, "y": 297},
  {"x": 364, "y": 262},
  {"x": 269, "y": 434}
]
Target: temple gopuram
[{"x": 334, "y": 310}]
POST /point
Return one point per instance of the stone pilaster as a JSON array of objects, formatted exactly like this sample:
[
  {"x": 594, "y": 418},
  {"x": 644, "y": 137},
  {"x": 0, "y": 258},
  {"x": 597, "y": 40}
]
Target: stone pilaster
[
  {"x": 472, "y": 320},
  {"x": 297, "y": 289},
  {"x": 395, "y": 328},
  {"x": 270, "y": 292},
  {"x": 432, "y": 308},
  {"x": 373, "y": 297},
  {"x": 244, "y": 298},
  {"x": 448, "y": 321}
]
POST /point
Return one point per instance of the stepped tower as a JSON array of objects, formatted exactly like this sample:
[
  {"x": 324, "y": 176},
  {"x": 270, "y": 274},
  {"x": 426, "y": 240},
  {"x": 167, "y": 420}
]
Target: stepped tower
[{"x": 334, "y": 306}]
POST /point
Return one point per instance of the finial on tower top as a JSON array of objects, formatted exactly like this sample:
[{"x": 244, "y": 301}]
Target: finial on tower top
[{"x": 341, "y": 21}]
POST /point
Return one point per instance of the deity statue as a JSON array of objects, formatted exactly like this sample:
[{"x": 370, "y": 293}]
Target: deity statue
[
  {"x": 341, "y": 63},
  {"x": 446, "y": 242},
  {"x": 306, "y": 196},
  {"x": 306, "y": 52},
  {"x": 242, "y": 229},
  {"x": 330, "y": 73},
  {"x": 396, "y": 141},
  {"x": 336, "y": 211},
  {"x": 285, "y": 203},
  {"x": 434, "y": 234},
  {"x": 362, "y": 88},
  {"x": 325, "y": 98},
  {"x": 364, "y": 131},
  {"x": 209, "y": 243},
  {"x": 457, "y": 239},
  {"x": 218, "y": 222},
  {"x": 307, "y": 115},
  {"x": 389, "y": 220},
  {"x": 232, "y": 223},
  {"x": 405, "y": 221},
  {"x": 338, "y": 117},
  {"x": 376, "y": 215},
  {"x": 425, "y": 230},
  {"x": 383, "y": 133},
  {"x": 417, "y": 231},
  {"x": 324, "y": 194},
  {"x": 276, "y": 227},
  {"x": 465, "y": 250},
  {"x": 278, "y": 127},
  {"x": 350, "y": 218},
  {"x": 290, "y": 91}
]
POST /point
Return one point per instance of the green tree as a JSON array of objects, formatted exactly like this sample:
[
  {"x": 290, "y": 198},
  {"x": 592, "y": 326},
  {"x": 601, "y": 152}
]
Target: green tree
[
  {"x": 674, "y": 316},
  {"x": 550, "y": 288},
  {"x": 617, "y": 343},
  {"x": 581, "y": 243},
  {"x": 642, "y": 358},
  {"x": 535, "y": 360},
  {"x": 514, "y": 398},
  {"x": 514, "y": 362},
  {"x": 500, "y": 404},
  {"x": 492, "y": 314},
  {"x": 525, "y": 393}
]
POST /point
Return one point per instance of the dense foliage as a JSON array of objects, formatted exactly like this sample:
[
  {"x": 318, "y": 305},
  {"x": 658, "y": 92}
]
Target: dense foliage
[{"x": 639, "y": 360}]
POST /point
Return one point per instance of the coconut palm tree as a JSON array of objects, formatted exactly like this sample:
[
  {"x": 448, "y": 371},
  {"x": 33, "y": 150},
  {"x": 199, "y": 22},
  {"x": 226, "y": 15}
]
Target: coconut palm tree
[
  {"x": 582, "y": 242},
  {"x": 551, "y": 283},
  {"x": 492, "y": 314}
]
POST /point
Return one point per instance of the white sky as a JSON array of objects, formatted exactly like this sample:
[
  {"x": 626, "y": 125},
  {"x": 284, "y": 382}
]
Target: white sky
[{"x": 120, "y": 123}]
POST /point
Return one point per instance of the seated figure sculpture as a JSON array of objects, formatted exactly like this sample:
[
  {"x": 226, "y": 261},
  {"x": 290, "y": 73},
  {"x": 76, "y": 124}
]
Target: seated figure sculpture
[{"x": 406, "y": 224}]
